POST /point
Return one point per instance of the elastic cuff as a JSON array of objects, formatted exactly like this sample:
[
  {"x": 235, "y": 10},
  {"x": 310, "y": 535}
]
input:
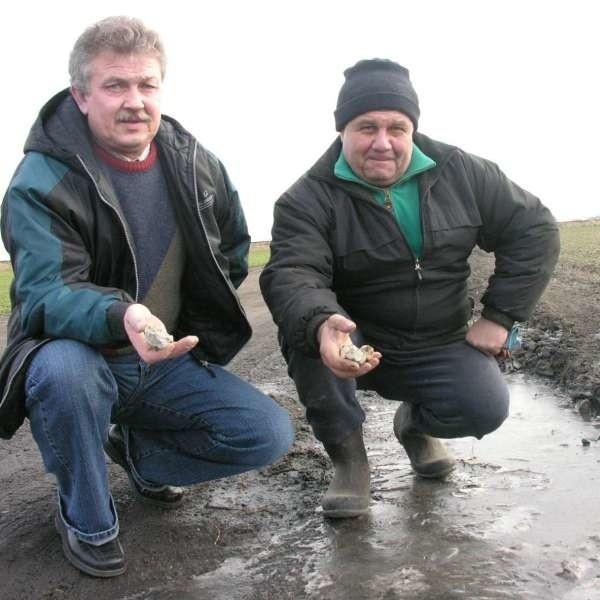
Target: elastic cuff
[
  {"x": 496, "y": 316},
  {"x": 114, "y": 316},
  {"x": 311, "y": 332}
]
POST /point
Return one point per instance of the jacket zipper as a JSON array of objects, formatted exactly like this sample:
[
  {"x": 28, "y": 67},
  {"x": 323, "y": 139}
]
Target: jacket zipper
[
  {"x": 418, "y": 269},
  {"x": 125, "y": 231},
  {"x": 387, "y": 204}
]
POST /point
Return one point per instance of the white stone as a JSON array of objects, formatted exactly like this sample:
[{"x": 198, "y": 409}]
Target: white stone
[
  {"x": 358, "y": 355},
  {"x": 157, "y": 337}
]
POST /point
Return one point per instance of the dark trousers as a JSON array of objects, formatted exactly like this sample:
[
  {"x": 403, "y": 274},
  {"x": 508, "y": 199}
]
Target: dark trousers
[{"x": 455, "y": 391}]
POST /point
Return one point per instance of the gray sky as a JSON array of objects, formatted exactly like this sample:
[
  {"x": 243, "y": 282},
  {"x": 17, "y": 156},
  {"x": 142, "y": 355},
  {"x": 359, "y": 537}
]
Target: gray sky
[{"x": 256, "y": 82}]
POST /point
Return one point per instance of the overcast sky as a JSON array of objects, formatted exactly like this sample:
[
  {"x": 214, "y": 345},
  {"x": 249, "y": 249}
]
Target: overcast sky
[{"x": 514, "y": 81}]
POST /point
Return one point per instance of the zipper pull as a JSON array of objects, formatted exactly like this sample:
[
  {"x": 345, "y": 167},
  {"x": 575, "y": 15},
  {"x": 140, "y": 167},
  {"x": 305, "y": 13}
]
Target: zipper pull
[
  {"x": 418, "y": 269},
  {"x": 387, "y": 200},
  {"x": 205, "y": 364}
]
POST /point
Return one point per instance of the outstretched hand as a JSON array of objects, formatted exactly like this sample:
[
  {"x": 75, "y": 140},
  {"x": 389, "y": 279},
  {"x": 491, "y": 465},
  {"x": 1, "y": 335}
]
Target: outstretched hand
[
  {"x": 488, "y": 337},
  {"x": 332, "y": 335},
  {"x": 137, "y": 316}
]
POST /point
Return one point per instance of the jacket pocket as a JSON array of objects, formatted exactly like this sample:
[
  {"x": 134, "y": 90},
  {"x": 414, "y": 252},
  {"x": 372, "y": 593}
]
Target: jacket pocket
[{"x": 453, "y": 222}]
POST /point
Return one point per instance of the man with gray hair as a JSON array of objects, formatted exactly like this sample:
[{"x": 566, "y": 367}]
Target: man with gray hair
[
  {"x": 370, "y": 246},
  {"x": 122, "y": 228}
]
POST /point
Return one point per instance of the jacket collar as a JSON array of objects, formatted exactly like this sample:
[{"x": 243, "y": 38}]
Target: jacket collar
[
  {"x": 419, "y": 163},
  {"x": 61, "y": 131},
  {"x": 439, "y": 152}
]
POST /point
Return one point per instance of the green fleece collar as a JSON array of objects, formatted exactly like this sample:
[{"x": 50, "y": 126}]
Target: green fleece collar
[{"x": 419, "y": 162}]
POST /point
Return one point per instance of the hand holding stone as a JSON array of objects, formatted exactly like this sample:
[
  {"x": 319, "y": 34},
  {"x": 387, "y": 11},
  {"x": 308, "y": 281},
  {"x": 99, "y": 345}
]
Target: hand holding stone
[{"x": 149, "y": 337}]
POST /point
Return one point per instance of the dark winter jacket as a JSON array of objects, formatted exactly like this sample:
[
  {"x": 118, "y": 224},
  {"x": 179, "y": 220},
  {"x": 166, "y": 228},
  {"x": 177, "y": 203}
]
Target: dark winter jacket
[
  {"x": 335, "y": 250},
  {"x": 72, "y": 255}
]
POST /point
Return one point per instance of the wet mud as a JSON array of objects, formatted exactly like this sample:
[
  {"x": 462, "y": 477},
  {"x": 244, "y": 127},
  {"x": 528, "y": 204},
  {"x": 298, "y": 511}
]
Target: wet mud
[
  {"x": 518, "y": 518},
  {"x": 502, "y": 526}
]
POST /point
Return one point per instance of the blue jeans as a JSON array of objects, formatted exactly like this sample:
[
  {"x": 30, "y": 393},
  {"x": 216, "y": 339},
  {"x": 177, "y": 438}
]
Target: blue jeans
[
  {"x": 455, "y": 391},
  {"x": 183, "y": 423}
]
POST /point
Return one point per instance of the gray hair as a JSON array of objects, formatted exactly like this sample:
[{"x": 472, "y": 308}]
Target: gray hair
[{"x": 123, "y": 35}]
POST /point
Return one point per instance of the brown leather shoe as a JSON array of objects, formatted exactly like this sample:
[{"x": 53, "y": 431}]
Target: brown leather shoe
[
  {"x": 166, "y": 496},
  {"x": 428, "y": 456}
]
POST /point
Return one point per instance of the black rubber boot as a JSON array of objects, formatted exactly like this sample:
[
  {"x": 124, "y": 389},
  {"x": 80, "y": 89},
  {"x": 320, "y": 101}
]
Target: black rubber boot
[
  {"x": 349, "y": 492},
  {"x": 428, "y": 456}
]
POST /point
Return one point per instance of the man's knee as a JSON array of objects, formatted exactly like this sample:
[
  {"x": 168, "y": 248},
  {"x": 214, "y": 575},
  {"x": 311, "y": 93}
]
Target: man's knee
[
  {"x": 72, "y": 376},
  {"x": 465, "y": 412},
  {"x": 315, "y": 382},
  {"x": 331, "y": 406},
  {"x": 483, "y": 391},
  {"x": 266, "y": 436},
  {"x": 274, "y": 436},
  {"x": 491, "y": 413}
]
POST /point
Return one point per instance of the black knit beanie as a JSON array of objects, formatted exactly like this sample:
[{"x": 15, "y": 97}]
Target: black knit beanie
[{"x": 376, "y": 84}]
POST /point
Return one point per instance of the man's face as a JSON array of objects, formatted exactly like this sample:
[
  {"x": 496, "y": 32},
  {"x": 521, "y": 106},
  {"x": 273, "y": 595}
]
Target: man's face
[
  {"x": 378, "y": 146},
  {"x": 122, "y": 103}
]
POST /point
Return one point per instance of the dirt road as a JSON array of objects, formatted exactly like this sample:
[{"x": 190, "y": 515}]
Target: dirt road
[{"x": 517, "y": 520}]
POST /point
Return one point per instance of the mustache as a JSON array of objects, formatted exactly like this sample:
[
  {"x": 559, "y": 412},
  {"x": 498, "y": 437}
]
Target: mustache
[{"x": 133, "y": 117}]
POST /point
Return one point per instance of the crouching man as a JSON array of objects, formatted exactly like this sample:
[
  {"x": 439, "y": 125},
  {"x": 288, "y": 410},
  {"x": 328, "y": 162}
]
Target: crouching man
[
  {"x": 121, "y": 227},
  {"x": 370, "y": 245}
]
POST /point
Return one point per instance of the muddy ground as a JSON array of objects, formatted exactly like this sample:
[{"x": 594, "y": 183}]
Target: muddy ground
[
  {"x": 223, "y": 523},
  {"x": 561, "y": 342}
]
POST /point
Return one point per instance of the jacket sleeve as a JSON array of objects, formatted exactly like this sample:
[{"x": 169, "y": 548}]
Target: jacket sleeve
[
  {"x": 297, "y": 282},
  {"x": 235, "y": 241},
  {"x": 51, "y": 289},
  {"x": 524, "y": 237}
]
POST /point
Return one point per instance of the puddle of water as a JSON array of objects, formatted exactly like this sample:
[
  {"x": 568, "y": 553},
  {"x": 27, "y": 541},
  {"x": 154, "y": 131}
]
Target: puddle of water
[
  {"x": 518, "y": 520},
  {"x": 514, "y": 521},
  {"x": 234, "y": 579}
]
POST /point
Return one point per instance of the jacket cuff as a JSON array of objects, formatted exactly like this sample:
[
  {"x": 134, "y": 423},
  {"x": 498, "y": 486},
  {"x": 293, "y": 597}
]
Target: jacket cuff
[
  {"x": 115, "y": 315},
  {"x": 496, "y": 316},
  {"x": 311, "y": 331}
]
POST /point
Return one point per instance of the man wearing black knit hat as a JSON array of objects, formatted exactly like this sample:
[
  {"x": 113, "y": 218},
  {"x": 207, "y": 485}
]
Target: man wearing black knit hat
[{"x": 370, "y": 247}]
